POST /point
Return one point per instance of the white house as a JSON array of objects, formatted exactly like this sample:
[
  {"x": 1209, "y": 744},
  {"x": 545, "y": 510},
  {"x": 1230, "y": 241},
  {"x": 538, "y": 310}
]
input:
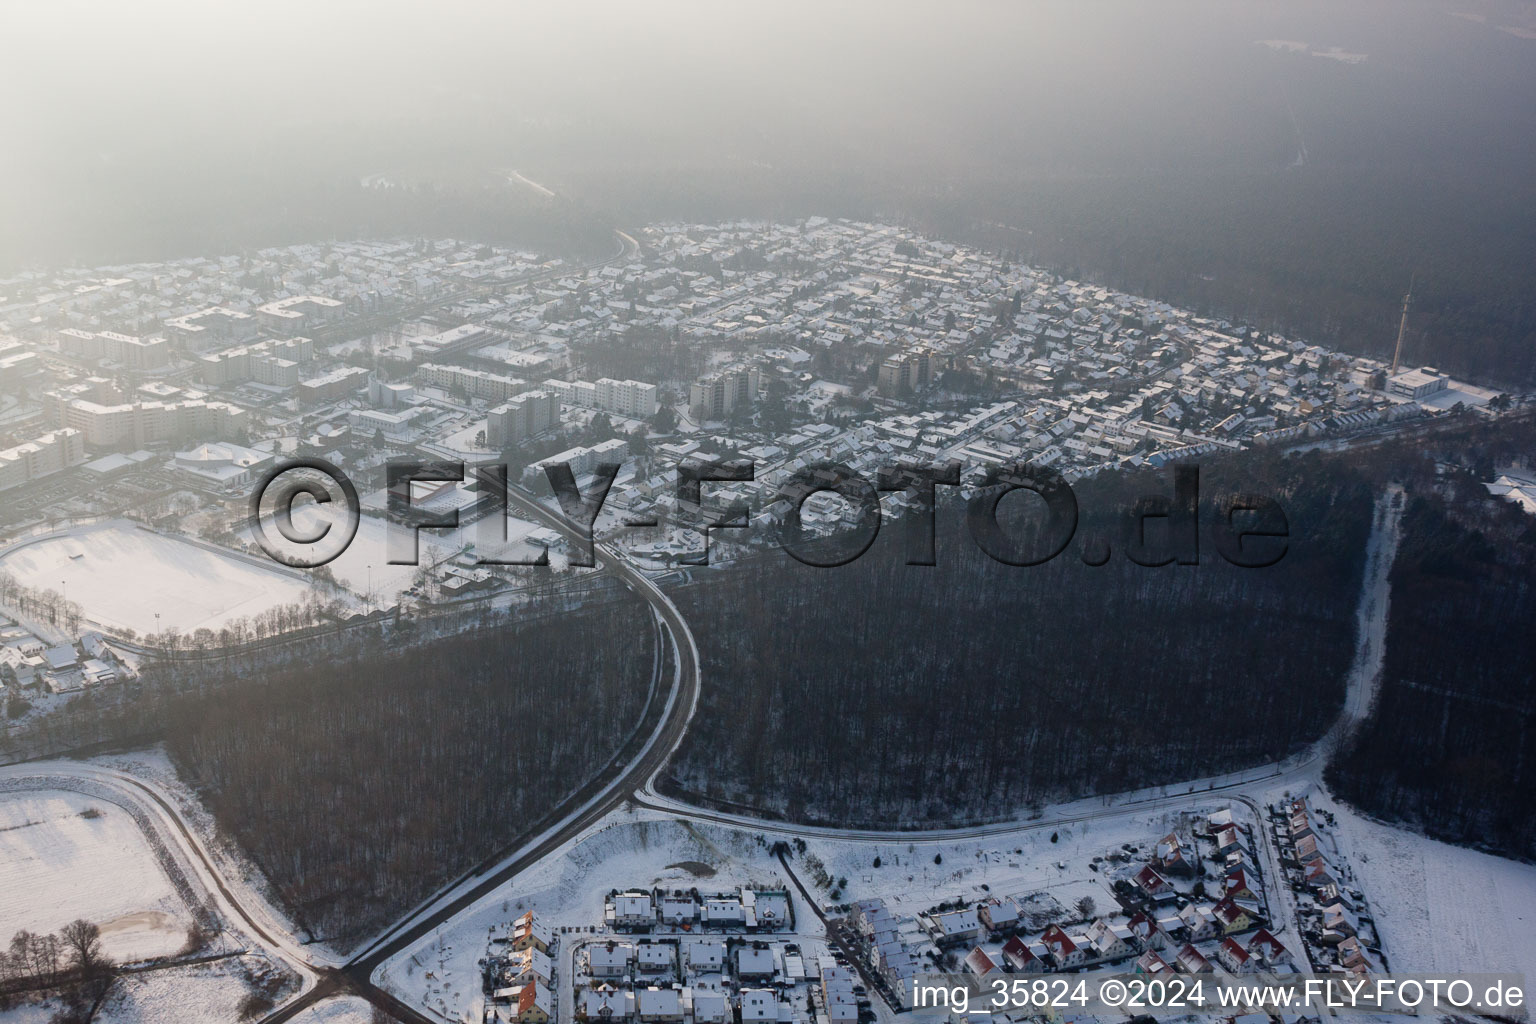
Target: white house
[{"x": 610, "y": 959}]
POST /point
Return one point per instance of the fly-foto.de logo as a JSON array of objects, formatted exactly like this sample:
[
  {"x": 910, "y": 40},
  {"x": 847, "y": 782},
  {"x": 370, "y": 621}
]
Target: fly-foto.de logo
[{"x": 1247, "y": 530}]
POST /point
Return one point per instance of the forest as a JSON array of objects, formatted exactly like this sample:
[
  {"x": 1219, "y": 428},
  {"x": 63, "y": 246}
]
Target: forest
[
  {"x": 361, "y": 788},
  {"x": 881, "y": 693},
  {"x": 1450, "y": 747}
]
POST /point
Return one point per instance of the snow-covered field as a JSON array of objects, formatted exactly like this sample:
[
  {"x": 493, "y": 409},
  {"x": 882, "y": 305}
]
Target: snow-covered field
[
  {"x": 60, "y": 864},
  {"x": 337, "y": 1010},
  {"x": 123, "y": 576},
  {"x": 1441, "y": 908},
  {"x": 1013, "y": 864},
  {"x": 204, "y": 992},
  {"x": 208, "y": 993}
]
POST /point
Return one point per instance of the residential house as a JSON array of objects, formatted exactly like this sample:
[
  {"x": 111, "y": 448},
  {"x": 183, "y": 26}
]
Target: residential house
[
  {"x": 755, "y": 962},
  {"x": 1173, "y": 856},
  {"x": 998, "y": 916},
  {"x": 723, "y": 912},
  {"x": 1150, "y": 963},
  {"x": 528, "y": 965},
  {"x": 1198, "y": 923},
  {"x": 1063, "y": 950},
  {"x": 632, "y": 910},
  {"x": 704, "y": 956},
  {"x": 1145, "y": 932},
  {"x": 655, "y": 957},
  {"x": 1228, "y": 840},
  {"x": 530, "y": 933},
  {"x": 1338, "y": 924},
  {"x": 1234, "y": 957},
  {"x": 955, "y": 927},
  {"x": 1218, "y": 820},
  {"x": 978, "y": 963},
  {"x": 1106, "y": 943},
  {"x": 1153, "y": 885},
  {"x": 1021, "y": 958},
  {"x": 1190, "y": 961},
  {"x": 679, "y": 909},
  {"x": 533, "y": 1004},
  {"x": 838, "y": 1000},
  {"x": 610, "y": 959},
  {"x": 1307, "y": 850},
  {"x": 659, "y": 1005},
  {"x": 1232, "y": 916},
  {"x": 1268, "y": 951},
  {"x": 1352, "y": 956},
  {"x": 758, "y": 1005},
  {"x": 1318, "y": 875},
  {"x": 709, "y": 1007},
  {"x": 1235, "y": 886},
  {"x": 604, "y": 1003}
]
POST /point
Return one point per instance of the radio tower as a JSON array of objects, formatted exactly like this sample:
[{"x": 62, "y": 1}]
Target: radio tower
[{"x": 1402, "y": 328}]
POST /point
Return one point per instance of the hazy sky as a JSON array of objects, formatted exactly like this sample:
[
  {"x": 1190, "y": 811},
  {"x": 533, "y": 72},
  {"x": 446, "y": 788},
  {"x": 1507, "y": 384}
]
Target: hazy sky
[{"x": 115, "y": 110}]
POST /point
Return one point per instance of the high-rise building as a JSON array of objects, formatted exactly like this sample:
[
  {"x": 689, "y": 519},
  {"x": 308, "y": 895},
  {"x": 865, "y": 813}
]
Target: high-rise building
[
  {"x": 524, "y": 416},
  {"x": 719, "y": 394},
  {"x": 581, "y": 460},
  {"x": 631, "y": 399},
  {"x": 330, "y": 386},
  {"x": 904, "y": 372}
]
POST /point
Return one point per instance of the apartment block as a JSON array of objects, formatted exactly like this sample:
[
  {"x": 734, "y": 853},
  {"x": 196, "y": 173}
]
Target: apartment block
[
  {"x": 524, "y": 416},
  {"x": 40, "y": 457}
]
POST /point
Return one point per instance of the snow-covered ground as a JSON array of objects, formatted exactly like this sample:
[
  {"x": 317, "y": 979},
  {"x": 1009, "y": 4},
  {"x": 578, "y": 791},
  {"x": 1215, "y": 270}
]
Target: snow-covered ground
[
  {"x": 66, "y": 856},
  {"x": 1441, "y": 908},
  {"x": 143, "y": 866},
  {"x": 203, "y": 993},
  {"x": 1011, "y": 864},
  {"x": 337, "y": 1010},
  {"x": 124, "y": 575}
]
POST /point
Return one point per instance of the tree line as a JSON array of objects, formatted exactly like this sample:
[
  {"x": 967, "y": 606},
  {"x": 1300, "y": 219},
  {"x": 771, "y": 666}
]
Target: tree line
[{"x": 70, "y": 962}]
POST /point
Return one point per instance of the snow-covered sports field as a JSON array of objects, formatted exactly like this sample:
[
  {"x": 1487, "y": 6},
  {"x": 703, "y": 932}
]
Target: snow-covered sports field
[
  {"x": 68, "y": 855},
  {"x": 124, "y": 575}
]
